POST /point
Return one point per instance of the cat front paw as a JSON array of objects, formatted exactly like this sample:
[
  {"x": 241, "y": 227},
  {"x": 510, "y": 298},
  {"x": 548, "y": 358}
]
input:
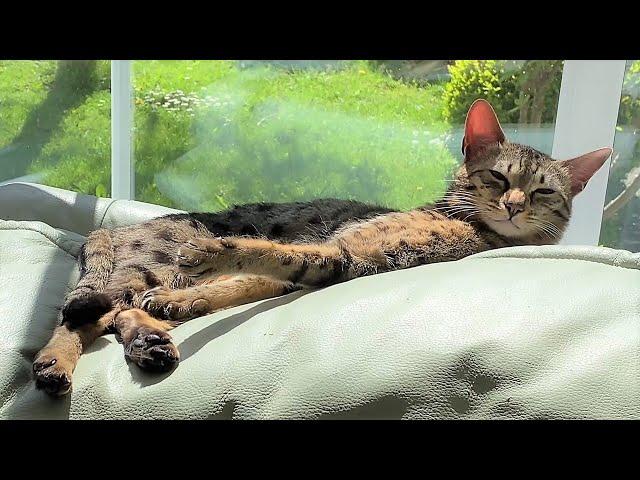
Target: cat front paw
[
  {"x": 151, "y": 349},
  {"x": 51, "y": 374},
  {"x": 198, "y": 255},
  {"x": 162, "y": 302}
]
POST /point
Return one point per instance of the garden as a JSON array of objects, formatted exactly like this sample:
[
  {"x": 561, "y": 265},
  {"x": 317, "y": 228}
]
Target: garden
[{"x": 210, "y": 134}]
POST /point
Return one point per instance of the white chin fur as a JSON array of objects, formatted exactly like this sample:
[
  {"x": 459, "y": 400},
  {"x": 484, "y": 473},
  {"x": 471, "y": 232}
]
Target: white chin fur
[{"x": 507, "y": 228}]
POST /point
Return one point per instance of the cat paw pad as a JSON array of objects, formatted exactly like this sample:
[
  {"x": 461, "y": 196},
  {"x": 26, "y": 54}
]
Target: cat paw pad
[
  {"x": 51, "y": 376},
  {"x": 151, "y": 349}
]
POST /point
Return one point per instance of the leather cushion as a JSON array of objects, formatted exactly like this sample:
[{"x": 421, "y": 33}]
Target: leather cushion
[{"x": 530, "y": 332}]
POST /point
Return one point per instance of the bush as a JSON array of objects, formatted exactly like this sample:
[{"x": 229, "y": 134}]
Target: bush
[{"x": 520, "y": 92}]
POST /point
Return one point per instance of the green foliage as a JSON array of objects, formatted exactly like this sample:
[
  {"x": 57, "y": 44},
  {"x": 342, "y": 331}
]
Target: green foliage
[
  {"x": 83, "y": 75},
  {"x": 520, "y": 92},
  {"x": 23, "y": 85},
  {"x": 629, "y": 112},
  {"x": 473, "y": 79},
  {"x": 78, "y": 157},
  {"x": 209, "y": 134},
  {"x": 267, "y": 134},
  {"x": 178, "y": 74}
]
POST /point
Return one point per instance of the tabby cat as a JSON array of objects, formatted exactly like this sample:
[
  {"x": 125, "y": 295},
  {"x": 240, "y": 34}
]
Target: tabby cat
[{"x": 140, "y": 281}]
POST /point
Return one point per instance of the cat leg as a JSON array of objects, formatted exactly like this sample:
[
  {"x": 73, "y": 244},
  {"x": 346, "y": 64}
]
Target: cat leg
[
  {"x": 309, "y": 264},
  {"x": 54, "y": 364},
  {"x": 184, "y": 304},
  {"x": 145, "y": 338},
  {"x": 146, "y": 341}
]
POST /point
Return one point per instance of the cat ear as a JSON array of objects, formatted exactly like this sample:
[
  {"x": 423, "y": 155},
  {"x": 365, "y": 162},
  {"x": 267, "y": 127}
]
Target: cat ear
[
  {"x": 582, "y": 168},
  {"x": 481, "y": 128}
]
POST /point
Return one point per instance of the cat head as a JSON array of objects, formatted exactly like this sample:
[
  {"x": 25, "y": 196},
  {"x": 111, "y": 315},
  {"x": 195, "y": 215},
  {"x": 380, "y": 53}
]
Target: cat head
[{"x": 515, "y": 190}]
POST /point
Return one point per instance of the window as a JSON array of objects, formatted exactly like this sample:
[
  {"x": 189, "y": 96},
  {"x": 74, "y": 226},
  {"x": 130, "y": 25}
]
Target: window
[
  {"x": 210, "y": 134},
  {"x": 55, "y": 124},
  {"x": 621, "y": 217}
]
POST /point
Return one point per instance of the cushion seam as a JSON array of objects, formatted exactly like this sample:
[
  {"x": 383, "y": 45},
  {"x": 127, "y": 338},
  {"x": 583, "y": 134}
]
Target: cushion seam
[{"x": 104, "y": 215}]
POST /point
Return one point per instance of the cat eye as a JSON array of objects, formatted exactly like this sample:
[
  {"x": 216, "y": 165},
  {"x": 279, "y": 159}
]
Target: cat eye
[
  {"x": 499, "y": 176},
  {"x": 544, "y": 191}
]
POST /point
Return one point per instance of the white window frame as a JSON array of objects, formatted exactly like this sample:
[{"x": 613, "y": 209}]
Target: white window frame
[
  {"x": 122, "y": 171},
  {"x": 586, "y": 120}
]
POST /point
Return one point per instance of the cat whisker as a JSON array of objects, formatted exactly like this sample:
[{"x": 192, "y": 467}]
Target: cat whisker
[
  {"x": 459, "y": 211},
  {"x": 457, "y": 191},
  {"x": 450, "y": 200},
  {"x": 469, "y": 216},
  {"x": 550, "y": 229},
  {"x": 457, "y": 208},
  {"x": 549, "y": 224},
  {"x": 453, "y": 196},
  {"x": 458, "y": 202},
  {"x": 462, "y": 212},
  {"x": 457, "y": 205},
  {"x": 542, "y": 231}
]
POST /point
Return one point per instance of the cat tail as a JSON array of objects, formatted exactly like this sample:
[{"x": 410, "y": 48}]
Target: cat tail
[{"x": 87, "y": 302}]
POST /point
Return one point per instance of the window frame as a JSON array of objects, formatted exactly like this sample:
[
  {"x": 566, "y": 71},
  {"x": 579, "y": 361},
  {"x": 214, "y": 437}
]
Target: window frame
[
  {"x": 122, "y": 111},
  {"x": 586, "y": 120}
]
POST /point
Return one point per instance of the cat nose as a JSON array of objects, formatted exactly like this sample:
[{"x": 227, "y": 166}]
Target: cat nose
[
  {"x": 514, "y": 202},
  {"x": 513, "y": 208}
]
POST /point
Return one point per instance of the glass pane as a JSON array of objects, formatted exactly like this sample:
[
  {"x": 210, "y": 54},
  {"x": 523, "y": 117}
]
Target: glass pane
[
  {"x": 621, "y": 217},
  {"x": 210, "y": 134},
  {"x": 55, "y": 124}
]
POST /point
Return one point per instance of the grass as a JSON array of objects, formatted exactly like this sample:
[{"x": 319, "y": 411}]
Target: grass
[
  {"x": 209, "y": 134},
  {"x": 23, "y": 85},
  {"x": 272, "y": 135}
]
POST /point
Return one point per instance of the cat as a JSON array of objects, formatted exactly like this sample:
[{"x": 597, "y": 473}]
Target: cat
[{"x": 140, "y": 281}]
